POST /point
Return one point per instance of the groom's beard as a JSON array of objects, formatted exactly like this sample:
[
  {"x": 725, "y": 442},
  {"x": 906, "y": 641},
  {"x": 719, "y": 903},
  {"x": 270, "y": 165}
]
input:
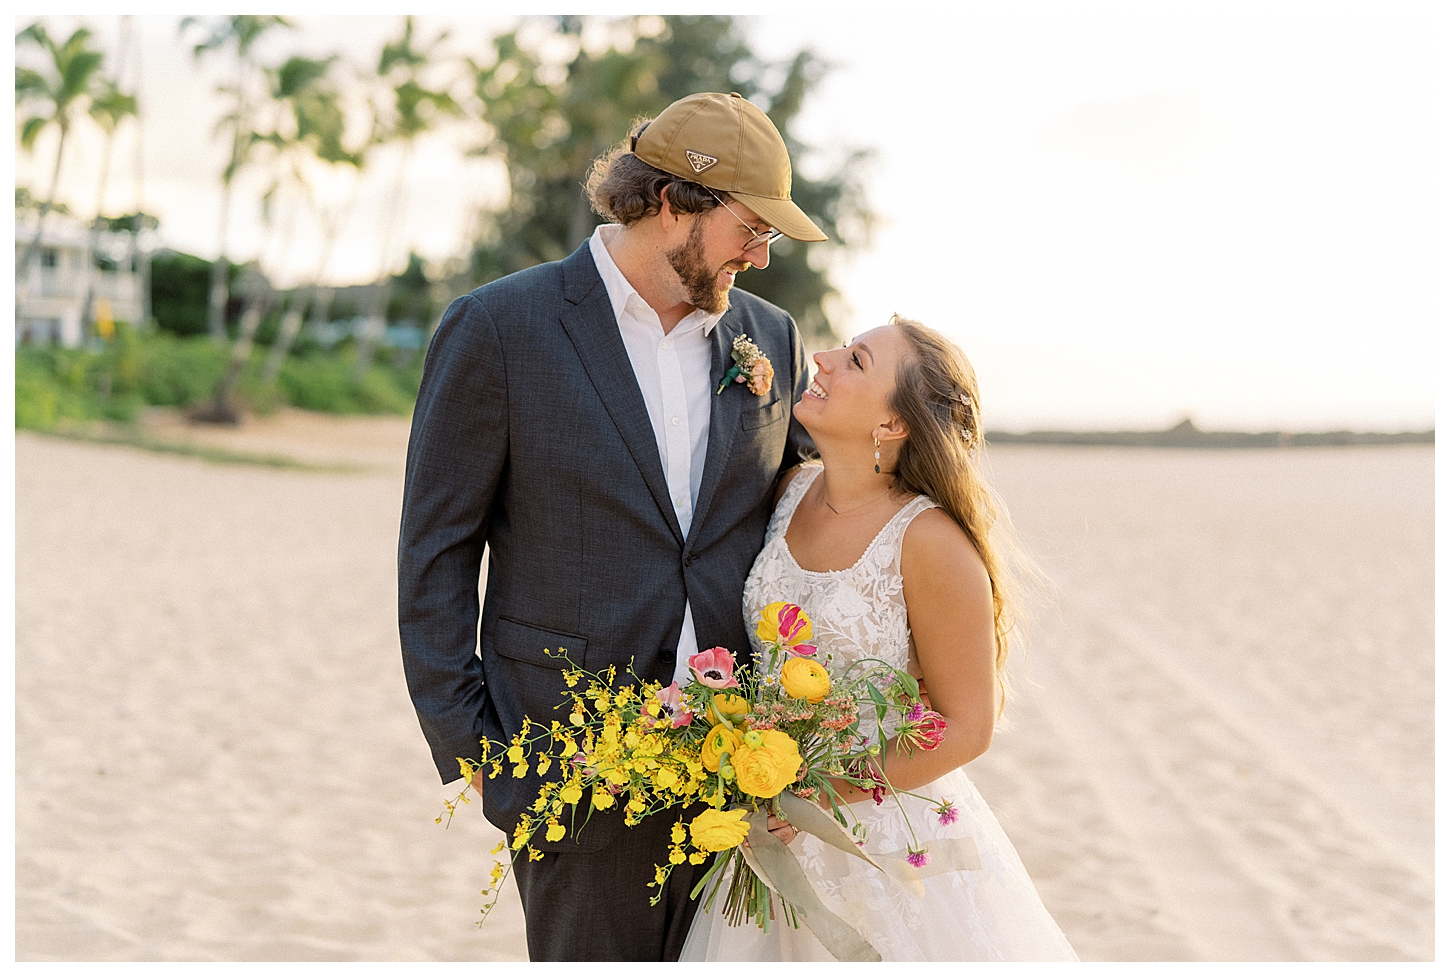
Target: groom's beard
[{"x": 688, "y": 261}]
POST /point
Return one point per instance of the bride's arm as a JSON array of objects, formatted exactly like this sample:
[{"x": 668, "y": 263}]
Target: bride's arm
[{"x": 949, "y": 604}]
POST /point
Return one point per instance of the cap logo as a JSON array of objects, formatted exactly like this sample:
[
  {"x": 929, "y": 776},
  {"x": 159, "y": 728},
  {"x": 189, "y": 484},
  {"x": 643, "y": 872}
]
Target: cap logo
[{"x": 699, "y": 162}]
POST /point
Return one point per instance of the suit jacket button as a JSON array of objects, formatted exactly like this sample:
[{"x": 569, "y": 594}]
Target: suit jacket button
[
  {"x": 667, "y": 654},
  {"x": 689, "y": 558}
]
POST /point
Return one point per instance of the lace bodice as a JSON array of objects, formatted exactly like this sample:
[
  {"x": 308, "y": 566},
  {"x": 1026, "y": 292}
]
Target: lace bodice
[
  {"x": 979, "y": 903},
  {"x": 857, "y": 613}
]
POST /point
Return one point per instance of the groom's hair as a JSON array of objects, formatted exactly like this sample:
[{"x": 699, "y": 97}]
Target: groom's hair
[{"x": 625, "y": 189}]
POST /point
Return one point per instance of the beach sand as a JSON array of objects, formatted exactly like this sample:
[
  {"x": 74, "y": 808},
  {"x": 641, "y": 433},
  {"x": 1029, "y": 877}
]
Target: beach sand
[{"x": 1221, "y": 746}]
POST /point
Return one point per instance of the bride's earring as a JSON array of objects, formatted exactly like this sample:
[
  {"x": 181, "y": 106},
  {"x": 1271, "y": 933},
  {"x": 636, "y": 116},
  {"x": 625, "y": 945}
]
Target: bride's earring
[{"x": 877, "y": 442}]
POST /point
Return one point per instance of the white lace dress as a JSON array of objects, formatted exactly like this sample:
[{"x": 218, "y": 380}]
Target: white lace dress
[{"x": 979, "y": 902}]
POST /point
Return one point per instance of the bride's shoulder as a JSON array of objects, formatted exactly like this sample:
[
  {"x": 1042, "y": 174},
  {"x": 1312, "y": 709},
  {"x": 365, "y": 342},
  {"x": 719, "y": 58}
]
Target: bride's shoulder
[
  {"x": 788, "y": 478},
  {"x": 936, "y": 547}
]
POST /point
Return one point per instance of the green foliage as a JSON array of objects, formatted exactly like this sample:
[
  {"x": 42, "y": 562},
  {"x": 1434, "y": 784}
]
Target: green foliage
[
  {"x": 325, "y": 384},
  {"x": 50, "y": 96},
  {"x": 179, "y": 288},
  {"x": 548, "y": 131},
  {"x": 54, "y": 385}
]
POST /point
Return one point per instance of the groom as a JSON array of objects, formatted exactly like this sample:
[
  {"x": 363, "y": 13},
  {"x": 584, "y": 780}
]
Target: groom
[{"x": 571, "y": 420}]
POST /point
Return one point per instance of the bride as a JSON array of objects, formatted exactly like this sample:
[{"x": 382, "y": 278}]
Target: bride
[{"x": 886, "y": 545}]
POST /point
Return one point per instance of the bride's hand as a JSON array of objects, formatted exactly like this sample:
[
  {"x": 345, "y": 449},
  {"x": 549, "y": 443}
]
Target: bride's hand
[{"x": 781, "y": 829}]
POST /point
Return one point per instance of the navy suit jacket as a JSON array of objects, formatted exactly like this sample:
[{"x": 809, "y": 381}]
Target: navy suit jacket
[{"x": 531, "y": 438}]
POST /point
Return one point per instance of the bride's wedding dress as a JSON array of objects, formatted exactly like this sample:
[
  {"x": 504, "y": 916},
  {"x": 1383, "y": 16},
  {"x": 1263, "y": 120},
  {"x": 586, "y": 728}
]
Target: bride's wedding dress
[{"x": 979, "y": 902}]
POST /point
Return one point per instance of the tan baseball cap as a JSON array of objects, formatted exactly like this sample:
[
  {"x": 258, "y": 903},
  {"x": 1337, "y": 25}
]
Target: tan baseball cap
[{"x": 725, "y": 142}]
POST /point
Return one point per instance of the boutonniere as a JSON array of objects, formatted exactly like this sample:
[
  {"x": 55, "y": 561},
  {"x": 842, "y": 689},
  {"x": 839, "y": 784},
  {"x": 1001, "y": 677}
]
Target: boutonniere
[{"x": 751, "y": 368}]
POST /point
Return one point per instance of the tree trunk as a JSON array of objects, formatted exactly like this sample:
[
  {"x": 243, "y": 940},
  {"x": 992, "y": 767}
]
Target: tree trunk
[
  {"x": 22, "y": 270},
  {"x": 286, "y": 333},
  {"x": 374, "y": 329},
  {"x": 216, "y": 324},
  {"x": 141, "y": 265},
  {"x": 88, "y": 307},
  {"x": 377, "y": 321},
  {"x": 321, "y": 302},
  {"x": 223, "y": 408}
]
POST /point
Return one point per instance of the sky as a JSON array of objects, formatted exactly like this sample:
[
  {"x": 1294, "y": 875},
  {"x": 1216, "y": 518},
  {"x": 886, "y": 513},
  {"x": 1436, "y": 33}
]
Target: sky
[{"x": 1236, "y": 213}]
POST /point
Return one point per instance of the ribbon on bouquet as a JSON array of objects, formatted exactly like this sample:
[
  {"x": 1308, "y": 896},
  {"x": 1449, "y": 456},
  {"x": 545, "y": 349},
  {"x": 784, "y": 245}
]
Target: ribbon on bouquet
[{"x": 776, "y": 866}]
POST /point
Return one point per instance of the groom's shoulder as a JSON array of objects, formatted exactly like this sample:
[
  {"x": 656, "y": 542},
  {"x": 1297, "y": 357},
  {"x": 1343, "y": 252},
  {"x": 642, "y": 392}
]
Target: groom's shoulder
[
  {"x": 522, "y": 289},
  {"x": 753, "y": 308}
]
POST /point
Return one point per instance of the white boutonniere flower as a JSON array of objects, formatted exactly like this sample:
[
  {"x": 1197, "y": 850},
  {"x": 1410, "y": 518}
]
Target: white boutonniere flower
[{"x": 751, "y": 368}]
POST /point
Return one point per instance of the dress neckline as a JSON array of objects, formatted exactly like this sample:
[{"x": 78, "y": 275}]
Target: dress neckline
[{"x": 785, "y": 543}]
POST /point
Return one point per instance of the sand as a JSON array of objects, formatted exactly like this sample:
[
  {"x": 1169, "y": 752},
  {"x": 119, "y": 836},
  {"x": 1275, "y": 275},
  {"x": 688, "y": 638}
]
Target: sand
[{"x": 1221, "y": 747}]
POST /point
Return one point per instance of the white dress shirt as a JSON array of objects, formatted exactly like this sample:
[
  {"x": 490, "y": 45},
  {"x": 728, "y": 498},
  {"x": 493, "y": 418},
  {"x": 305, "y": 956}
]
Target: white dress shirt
[{"x": 673, "y": 372}]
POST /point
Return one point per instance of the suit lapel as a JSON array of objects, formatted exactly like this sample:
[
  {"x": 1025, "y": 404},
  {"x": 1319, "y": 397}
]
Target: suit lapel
[
  {"x": 594, "y": 332},
  {"x": 725, "y": 410}
]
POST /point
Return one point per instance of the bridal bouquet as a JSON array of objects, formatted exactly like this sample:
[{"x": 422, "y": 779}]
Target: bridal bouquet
[{"x": 772, "y": 740}]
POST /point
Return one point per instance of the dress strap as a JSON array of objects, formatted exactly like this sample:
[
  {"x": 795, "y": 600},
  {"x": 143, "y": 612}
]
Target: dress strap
[
  {"x": 894, "y": 533},
  {"x": 797, "y": 491}
]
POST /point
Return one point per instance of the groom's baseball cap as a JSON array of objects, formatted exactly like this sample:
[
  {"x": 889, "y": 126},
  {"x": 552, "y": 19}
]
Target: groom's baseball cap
[{"x": 725, "y": 142}]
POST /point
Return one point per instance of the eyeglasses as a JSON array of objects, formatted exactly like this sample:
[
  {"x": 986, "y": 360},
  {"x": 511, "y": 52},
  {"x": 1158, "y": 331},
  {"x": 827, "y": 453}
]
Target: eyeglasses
[{"x": 757, "y": 238}]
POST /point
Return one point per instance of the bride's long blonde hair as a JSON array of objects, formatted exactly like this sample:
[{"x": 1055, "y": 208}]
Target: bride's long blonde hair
[{"x": 936, "y": 396}]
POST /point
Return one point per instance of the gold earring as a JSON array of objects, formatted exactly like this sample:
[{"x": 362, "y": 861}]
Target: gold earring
[{"x": 877, "y": 442}]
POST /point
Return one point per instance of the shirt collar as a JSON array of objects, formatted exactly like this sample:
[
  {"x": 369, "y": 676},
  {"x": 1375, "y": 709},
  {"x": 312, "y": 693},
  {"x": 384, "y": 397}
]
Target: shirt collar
[{"x": 621, "y": 291}]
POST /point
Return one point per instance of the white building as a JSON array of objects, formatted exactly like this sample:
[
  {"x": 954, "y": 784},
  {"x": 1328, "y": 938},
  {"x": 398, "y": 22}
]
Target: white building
[{"x": 50, "y": 295}]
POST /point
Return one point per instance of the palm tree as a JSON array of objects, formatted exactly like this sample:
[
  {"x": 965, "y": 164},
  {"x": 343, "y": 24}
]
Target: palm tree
[
  {"x": 109, "y": 108},
  {"x": 306, "y": 119},
  {"x": 239, "y": 32},
  {"x": 52, "y": 97},
  {"x": 416, "y": 109}
]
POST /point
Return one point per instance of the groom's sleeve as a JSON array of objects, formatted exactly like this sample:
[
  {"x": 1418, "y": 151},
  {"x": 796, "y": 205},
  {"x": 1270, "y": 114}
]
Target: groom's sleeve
[
  {"x": 797, "y": 442},
  {"x": 456, "y": 452}
]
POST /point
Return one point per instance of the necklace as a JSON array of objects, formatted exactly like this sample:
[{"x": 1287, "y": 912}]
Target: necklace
[{"x": 854, "y": 508}]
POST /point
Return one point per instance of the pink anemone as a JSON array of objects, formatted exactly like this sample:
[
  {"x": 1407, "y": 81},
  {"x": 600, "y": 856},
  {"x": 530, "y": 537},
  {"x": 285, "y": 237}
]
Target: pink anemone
[
  {"x": 715, "y": 668},
  {"x": 672, "y": 700}
]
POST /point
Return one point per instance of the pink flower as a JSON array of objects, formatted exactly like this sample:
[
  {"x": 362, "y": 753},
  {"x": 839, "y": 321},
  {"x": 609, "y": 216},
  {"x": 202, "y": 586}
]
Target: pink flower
[
  {"x": 915, "y": 713},
  {"x": 927, "y": 731},
  {"x": 673, "y": 702},
  {"x": 792, "y": 623},
  {"x": 803, "y": 650},
  {"x": 932, "y": 728},
  {"x": 715, "y": 668},
  {"x": 918, "y": 858},
  {"x": 947, "y": 813}
]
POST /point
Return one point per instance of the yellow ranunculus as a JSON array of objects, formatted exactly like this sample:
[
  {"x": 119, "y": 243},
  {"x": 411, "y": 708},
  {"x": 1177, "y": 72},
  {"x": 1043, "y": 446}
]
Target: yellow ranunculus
[
  {"x": 805, "y": 679},
  {"x": 727, "y": 708},
  {"x": 768, "y": 769},
  {"x": 722, "y": 739},
  {"x": 719, "y": 830}
]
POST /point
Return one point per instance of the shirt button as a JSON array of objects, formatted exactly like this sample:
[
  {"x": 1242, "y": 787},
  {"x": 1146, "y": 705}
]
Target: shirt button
[{"x": 675, "y": 421}]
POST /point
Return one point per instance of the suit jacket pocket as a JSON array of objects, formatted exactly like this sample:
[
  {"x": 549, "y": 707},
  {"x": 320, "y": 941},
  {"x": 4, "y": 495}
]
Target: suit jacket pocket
[
  {"x": 527, "y": 643},
  {"x": 761, "y": 416}
]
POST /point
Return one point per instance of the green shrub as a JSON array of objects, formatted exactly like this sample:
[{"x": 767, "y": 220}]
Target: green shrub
[
  {"x": 117, "y": 380},
  {"x": 176, "y": 372},
  {"x": 326, "y": 385}
]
